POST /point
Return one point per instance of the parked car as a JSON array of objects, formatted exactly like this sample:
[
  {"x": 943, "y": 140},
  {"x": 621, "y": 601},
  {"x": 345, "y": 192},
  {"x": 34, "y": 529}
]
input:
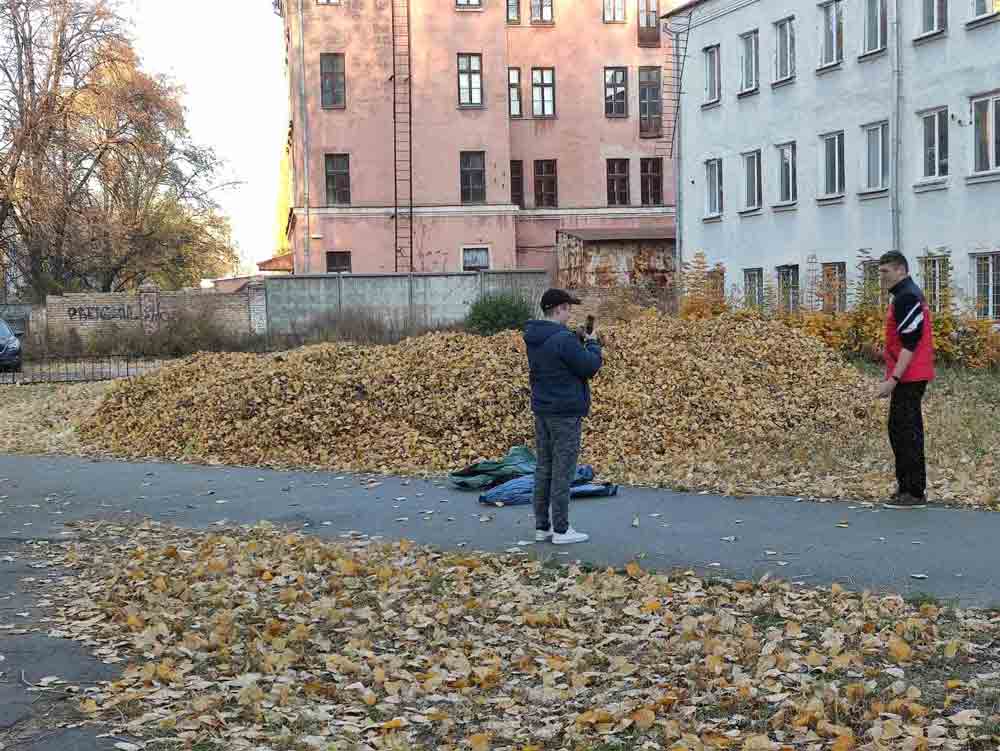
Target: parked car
[{"x": 10, "y": 348}]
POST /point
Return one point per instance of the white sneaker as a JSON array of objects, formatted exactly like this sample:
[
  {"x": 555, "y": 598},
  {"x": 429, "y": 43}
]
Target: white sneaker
[
  {"x": 543, "y": 536},
  {"x": 569, "y": 537}
]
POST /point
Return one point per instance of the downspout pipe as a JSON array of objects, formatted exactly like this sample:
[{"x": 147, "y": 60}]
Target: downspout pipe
[
  {"x": 678, "y": 161},
  {"x": 306, "y": 151},
  {"x": 897, "y": 133}
]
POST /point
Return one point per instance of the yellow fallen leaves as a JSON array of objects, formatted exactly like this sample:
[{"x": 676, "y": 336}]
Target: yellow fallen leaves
[{"x": 547, "y": 658}]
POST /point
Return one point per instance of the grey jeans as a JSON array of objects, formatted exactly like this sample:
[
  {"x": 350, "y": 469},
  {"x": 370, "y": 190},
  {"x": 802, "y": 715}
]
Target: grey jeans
[{"x": 557, "y": 440}]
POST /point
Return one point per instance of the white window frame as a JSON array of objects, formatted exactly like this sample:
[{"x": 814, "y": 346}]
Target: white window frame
[
  {"x": 789, "y": 295},
  {"x": 932, "y": 287},
  {"x": 933, "y": 154},
  {"x": 714, "y": 189},
  {"x": 713, "y": 73},
  {"x": 869, "y": 45},
  {"x": 992, "y": 133},
  {"x": 614, "y": 11},
  {"x": 515, "y": 100},
  {"x": 832, "y": 27},
  {"x": 542, "y": 11},
  {"x": 840, "y": 168},
  {"x": 788, "y": 60},
  {"x": 938, "y": 14},
  {"x": 991, "y": 311},
  {"x": 467, "y": 248},
  {"x": 753, "y": 287},
  {"x": 470, "y": 81},
  {"x": 753, "y": 180},
  {"x": 986, "y": 12},
  {"x": 883, "y": 155},
  {"x": 540, "y": 87},
  {"x": 788, "y": 157},
  {"x": 749, "y": 61}
]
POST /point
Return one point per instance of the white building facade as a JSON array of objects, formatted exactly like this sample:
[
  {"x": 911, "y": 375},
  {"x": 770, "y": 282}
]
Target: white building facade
[{"x": 814, "y": 134}]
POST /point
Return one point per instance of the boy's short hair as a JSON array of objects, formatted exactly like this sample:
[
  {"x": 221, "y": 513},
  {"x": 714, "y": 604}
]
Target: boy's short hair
[{"x": 894, "y": 258}]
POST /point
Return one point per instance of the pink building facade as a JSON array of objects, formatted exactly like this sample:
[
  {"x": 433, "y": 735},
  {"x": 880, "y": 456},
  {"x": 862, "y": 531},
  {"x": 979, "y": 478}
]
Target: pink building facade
[{"x": 519, "y": 118}]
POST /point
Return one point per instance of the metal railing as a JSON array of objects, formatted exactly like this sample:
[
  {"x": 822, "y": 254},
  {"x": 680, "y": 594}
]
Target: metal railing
[{"x": 79, "y": 369}]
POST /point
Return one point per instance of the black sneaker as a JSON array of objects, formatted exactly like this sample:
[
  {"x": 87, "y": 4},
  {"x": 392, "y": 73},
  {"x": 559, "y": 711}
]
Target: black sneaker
[{"x": 906, "y": 501}]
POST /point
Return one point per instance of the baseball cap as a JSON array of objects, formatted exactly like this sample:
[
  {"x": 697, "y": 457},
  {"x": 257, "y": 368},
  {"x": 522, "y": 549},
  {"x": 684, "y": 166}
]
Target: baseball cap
[{"x": 555, "y": 297}]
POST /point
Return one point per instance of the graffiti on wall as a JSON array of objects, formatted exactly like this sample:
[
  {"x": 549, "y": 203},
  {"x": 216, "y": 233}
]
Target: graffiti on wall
[{"x": 113, "y": 313}]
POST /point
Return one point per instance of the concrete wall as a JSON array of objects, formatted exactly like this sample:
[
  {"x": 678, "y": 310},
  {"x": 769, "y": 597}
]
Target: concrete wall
[
  {"x": 296, "y": 302},
  {"x": 948, "y": 70}
]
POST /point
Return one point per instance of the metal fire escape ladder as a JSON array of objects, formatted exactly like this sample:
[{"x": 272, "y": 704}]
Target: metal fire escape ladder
[
  {"x": 678, "y": 28},
  {"x": 402, "y": 134}
]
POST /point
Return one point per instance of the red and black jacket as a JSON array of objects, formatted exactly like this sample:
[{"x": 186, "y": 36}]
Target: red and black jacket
[{"x": 908, "y": 326}]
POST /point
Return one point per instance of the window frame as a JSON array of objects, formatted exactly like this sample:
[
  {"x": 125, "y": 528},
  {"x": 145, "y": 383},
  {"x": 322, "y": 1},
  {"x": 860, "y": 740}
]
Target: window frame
[
  {"x": 940, "y": 16},
  {"x": 337, "y": 77},
  {"x": 753, "y": 38},
  {"x": 753, "y": 159},
  {"x": 753, "y": 287},
  {"x": 614, "y": 6},
  {"x": 713, "y": 73},
  {"x": 469, "y": 4},
  {"x": 884, "y": 156},
  {"x": 517, "y": 183},
  {"x": 512, "y": 89},
  {"x": 651, "y": 181},
  {"x": 649, "y": 33},
  {"x": 941, "y": 143},
  {"x": 466, "y": 178},
  {"x": 837, "y": 29},
  {"x": 992, "y": 133},
  {"x": 840, "y": 167},
  {"x": 789, "y": 60},
  {"x": 473, "y": 73},
  {"x": 795, "y": 289},
  {"x": 931, "y": 284},
  {"x": 987, "y": 11},
  {"x": 991, "y": 311},
  {"x": 651, "y": 126},
  {"x": 793, "y": 173},
  {"x": 542, "y": 86},
  {"x": 623, "y": 87},
  {"x": 882, "y": 27},
  {"x": 538, "y": 18},
  {"x": 834, "y": 303},
  {"x": 332, "y": 174},
  {"x": 476, "y": 268},
  {"x": 514, "y": 5},
  {"x": 619, "y": 193},
  {"x": 713, "y": 169},
  {"x": 338, "y": 268},
  {"x": 541, "y": 179}
]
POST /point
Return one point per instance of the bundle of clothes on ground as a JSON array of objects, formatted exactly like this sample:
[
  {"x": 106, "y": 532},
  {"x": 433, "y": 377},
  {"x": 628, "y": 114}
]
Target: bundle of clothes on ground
[{"x": 511, "y": 481}]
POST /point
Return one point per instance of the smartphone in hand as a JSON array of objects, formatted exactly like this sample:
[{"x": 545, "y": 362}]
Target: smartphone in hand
[{"x": 590, "y": 325}]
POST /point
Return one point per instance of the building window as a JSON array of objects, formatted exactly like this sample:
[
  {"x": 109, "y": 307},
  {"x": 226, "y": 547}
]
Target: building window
[
  {"x": 469, "y": 3},
  {"x": 753, "y": 288},
  {"x": 833, "y": 33},
  {"x": 614, "y": 11},
  {"x": 834, "y": 175},
  {"x": 517, "y": 183},
  {"x": 934, "y": 16},
  {"x": 788, "y": 178},
  {"x": 651, "y": 174},
  {"x": 649, "y": 23},
  {"x": 473, "y": 176},
  {"x": 333, "y": 80},
  {"x": 986, "y": 115},
  {"x": 513, "y": 11},
  {"x": 788, "y": 288},
  {"x": 543, "y": 92},
  {"x": 338, "y": 179},
  {"x": 650, "y": 103},
  {"x": 338, "y": 262},
  {"x": 785, "y": 50},
  {"x": 754, "y": 183},
  {"x": 713, "y": 75},
  {"x": 986, "y": 7},
  {"x": 514, "y": 92},
  {"x": 936, "y": 143},
  {"x": 616, "y": 92},
  {"x": 988, "y": 286},
  {"x": 876, "y": 25},
  {"x": 833, "y": 293},
  {"x": 713, "y": 181},
  {"x": 934, "y": 273},
  {"x": 874, "y": 289},
  {"x": 546, "y": 184},
  {"x": 541, "y": 11},
  {"x": 470, "y": 80},
  {"x": 618, "y": 182},
  {"x": 749, "y": 61},
  {"x": 475, "y": 259},
  {"x": 877, "y": 156}
]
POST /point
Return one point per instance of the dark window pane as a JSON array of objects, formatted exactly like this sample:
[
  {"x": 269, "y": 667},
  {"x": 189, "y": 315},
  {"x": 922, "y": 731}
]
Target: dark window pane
[
  {"x": 546, "y": 184},
  {"x": 650, "y": 104},
  {"x": 338, "y": 179},
  {"x": 651, "y": 173},
  {"x": 473, "y": 176},
  {"x": 618, "y": 194},
  {"x": 338, "y": 262},
  {"x": 333, "y": 82},
  {"x": 517, "y": 183}
]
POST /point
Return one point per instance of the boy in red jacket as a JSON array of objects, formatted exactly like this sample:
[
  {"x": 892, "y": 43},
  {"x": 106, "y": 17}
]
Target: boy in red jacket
[{"x": 909, "y": 359}]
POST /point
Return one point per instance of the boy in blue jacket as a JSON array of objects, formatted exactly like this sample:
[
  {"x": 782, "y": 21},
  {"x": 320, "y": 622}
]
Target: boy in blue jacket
[{"x": 561, "y": 367}]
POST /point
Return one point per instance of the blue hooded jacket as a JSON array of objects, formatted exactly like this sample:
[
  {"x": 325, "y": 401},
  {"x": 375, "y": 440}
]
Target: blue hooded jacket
[{"x": 560, "y": 369}]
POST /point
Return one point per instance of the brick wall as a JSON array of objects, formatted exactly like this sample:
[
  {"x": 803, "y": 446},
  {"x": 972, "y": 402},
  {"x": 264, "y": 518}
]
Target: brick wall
[{"x": 615, "y": 304}]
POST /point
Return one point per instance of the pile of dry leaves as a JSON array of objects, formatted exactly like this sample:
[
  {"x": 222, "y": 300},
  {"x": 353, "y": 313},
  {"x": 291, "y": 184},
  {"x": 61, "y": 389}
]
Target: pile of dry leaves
[
  {"x": 258, "y": 638},
  {"x": 44, "y": 419}
]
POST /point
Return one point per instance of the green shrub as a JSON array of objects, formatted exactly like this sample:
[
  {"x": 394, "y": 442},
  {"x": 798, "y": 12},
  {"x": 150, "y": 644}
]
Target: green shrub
[{"x": 499, "y": 312}]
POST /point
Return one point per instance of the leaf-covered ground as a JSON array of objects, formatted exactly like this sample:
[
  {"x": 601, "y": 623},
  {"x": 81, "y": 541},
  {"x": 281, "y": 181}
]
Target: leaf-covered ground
[
  {"x": 258, "y": 638},
  {"x": 44, "y": 419}
]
